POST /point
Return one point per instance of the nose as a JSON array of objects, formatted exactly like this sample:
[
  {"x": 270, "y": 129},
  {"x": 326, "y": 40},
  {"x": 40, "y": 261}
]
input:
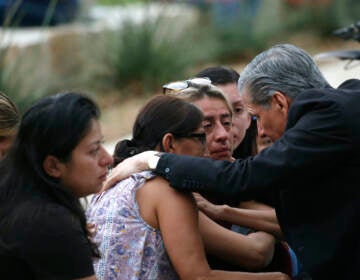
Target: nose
[
  {"x": 106, "y": 158},
  {"x": 260, "y": 130},
  {"x": 222, "y": 133}
]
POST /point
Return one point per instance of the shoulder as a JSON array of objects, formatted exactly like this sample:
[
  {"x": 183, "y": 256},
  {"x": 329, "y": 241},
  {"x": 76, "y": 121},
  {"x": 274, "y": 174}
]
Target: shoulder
[
  {"x": 316, "y": 101},
  {"x": 352, "y": 84},
  {"x": 161, "y": 194},
  {"x": 160, "y": 187},
  {"x": 55, "y": 243},
  {"x": 53, "y": 221}
]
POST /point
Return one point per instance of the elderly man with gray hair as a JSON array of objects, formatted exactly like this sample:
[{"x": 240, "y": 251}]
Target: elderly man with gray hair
[{"x": 312, "y": 169}]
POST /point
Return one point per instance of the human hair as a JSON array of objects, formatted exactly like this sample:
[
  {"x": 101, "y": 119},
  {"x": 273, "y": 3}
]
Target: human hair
[
  {"x": 53, "y": 126},
  {"x": 162, "y": 114},
  {"x": 284, "y": 68},
  {"x": 220, "y": 75},
  {"x": 197, "y": 92},
  {"x": 9, "y": 116}
]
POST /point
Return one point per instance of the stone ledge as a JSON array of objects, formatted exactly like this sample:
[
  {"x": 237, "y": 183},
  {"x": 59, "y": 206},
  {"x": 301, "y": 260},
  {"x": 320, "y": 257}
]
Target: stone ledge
[{"x": 61, "y": 53}]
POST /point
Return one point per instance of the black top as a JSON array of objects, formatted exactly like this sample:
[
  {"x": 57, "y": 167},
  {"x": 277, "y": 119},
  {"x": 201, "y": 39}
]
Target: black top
[
  {"x": 313, "y": 171},
  {"x": 47, "y": 244}
]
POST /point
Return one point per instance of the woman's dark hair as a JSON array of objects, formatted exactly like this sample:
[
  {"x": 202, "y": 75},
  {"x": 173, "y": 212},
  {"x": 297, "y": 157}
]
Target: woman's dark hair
[
  {"x": 220, "y": 75},
  {"x": 162, "y": 114},
  {"x": 53, "y": 126}
]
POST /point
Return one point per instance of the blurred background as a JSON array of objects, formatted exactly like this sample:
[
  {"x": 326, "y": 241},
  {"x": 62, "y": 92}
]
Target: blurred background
[{"x": 122, "y": 51}]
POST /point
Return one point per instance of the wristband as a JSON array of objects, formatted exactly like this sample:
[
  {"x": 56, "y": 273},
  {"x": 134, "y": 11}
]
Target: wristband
[{"x": 153, "y": 161}]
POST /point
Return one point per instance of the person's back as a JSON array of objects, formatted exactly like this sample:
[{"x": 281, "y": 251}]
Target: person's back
[
  {"x": 335, "y": 112},
  {"x": 125, "y": 216},
  {"x": 128, "y": 238},
  {"x": 40, "y": 222}
]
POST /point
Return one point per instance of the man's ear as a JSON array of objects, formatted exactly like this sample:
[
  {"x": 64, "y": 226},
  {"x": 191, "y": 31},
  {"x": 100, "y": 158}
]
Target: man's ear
[
  {"x": 52, "y": 166},
  {"x": 168, "y": 143},
  {"x": 281, "y": 101}
]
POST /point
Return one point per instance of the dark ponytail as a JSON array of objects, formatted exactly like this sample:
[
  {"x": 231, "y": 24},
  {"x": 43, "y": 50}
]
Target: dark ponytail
[{"x": 162, "y": 114}]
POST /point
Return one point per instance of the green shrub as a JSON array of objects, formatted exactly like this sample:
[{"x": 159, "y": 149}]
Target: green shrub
[
  {"x": 322, "y": 19},
  {"x": 148, "y": 54},
  {"x": 18, "y": 76},
  {"x": 242, "y": 33}
]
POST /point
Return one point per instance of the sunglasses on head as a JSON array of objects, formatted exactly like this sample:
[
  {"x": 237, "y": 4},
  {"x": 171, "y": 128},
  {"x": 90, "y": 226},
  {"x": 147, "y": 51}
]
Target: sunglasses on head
[{"x": 181, "y": 85}]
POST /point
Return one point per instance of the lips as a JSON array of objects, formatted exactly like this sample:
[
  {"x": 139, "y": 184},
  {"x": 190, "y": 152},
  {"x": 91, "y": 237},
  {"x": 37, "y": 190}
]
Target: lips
[
  {"x": 103, "y": 177},
  {"x": 224, "y": 152}
]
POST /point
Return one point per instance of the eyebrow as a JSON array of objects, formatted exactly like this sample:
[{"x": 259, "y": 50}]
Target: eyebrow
[
  {"x": 208, "y": 118},
  {"x": 97, "y": 142},
  {"x": 239, "y": 102},
  {"x": 225, "y": 115}
]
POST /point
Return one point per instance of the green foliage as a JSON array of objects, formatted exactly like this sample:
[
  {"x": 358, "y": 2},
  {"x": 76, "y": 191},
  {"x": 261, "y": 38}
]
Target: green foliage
[
  {"x": 240, "y": 32},
  {"x": 140, "y": 56},
  {"x": 322, "y": 19},
  {"x": 145, "y": 55},
  {"x": 237, "y": 41},
  {"x": 17, "y": 78},
  {"x": 119, "y": 2}
]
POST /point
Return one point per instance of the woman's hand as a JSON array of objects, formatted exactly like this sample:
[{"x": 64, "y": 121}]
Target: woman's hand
[
  {"x": 211, "y": 210},
  {"x": 91, "y": 228}
]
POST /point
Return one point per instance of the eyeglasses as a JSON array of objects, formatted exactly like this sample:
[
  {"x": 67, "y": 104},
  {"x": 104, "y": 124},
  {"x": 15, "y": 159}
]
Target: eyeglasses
[
  {"x": 181, "y": 85},
  {"x": 200, "y": 136}
]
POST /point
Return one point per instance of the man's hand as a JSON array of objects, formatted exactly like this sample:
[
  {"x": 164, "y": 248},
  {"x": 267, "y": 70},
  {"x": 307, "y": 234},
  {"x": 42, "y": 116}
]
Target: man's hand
[{"x": 127, "y": 167}]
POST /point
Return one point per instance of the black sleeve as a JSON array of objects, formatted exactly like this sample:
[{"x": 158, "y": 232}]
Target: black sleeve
[
  {"x": 316, "y": 140},
  {"x": 55, "y": 246}
]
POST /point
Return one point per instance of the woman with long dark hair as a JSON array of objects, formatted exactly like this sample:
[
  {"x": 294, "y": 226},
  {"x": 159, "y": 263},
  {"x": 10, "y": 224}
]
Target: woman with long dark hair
[{"x": 56, "y": 158}]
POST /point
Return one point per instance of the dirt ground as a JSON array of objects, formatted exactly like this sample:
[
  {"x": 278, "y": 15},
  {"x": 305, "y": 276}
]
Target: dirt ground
[{"x": 117, "y": 118}]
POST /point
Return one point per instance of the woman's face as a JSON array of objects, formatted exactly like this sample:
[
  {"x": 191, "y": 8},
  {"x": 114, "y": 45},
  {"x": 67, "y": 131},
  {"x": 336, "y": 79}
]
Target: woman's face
[
  {"x": 218, "y": 127},
  {"x": 5, "y": 144},
  {"x": 193, "y": 144},
  {"x": 85, "y": 172},
  {"x": 241, "y": 118},
  {"x": 263, "y": 142}
]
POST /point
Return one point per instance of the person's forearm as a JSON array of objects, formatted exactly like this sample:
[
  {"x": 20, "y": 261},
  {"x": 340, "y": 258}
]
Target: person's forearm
[
  {"x": 252, "y": 252},
  {"x": 232, "y": 275},
  {"x": 218, "y": 274},
  {"x": 263, "y": 220},
  {"x": 198, "y": 174}
]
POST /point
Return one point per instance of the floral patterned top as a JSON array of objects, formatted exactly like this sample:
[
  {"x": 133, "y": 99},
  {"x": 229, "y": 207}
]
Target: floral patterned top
[{"x": 130, "y": 248}]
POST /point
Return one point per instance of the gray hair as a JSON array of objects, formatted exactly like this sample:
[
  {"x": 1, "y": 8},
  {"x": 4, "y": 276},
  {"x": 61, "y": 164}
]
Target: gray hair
[{"x": 285, "y": 68}]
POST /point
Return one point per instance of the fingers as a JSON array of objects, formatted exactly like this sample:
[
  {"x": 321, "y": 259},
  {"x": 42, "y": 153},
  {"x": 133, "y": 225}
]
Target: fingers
[
  {"x": 110, "y": 181},
  {"x": 199, "y": 197},
  {"x": 124, "y": 169},
  {"x": 91, "y": 229},
  {"x": 200, "y": 201}
]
